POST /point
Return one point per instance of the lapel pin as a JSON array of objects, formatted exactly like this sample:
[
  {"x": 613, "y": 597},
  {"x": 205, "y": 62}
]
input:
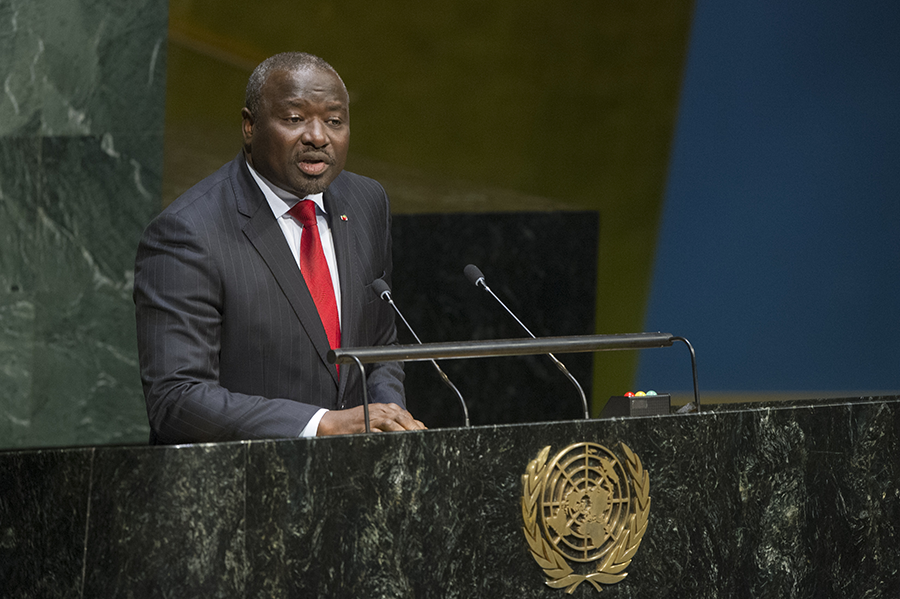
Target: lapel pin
[{"x": 344, "y": 217}]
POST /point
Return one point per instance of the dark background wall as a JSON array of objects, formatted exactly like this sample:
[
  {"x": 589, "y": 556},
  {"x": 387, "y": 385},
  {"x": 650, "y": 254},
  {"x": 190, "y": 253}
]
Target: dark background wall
[
  {"x": 779, "y": 251},
  {"x": 536, "y": 263}
]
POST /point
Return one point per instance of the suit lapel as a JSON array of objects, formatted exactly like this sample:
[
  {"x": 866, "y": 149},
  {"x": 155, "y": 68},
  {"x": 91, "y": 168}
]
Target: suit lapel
[
  {"x": 338, "y": 206},
  {"x": 264, "y": 233}
]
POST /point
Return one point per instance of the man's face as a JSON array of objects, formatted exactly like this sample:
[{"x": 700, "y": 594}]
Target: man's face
[{"x": 299, "y": 139}]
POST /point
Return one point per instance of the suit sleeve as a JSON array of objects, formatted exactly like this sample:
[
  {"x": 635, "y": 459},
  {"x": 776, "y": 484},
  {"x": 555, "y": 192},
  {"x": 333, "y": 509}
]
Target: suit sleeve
[
  {"x": 178, "y": 293},
  {"x": 385, "y": 380}
]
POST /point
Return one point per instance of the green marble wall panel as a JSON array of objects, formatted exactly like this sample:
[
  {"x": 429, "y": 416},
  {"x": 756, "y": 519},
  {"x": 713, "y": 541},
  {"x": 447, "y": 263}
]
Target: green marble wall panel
[{"x": 81, "y": 121}]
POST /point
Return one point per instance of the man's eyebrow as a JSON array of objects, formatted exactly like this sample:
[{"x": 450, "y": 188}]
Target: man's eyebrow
[{"x": 301, "y": 102}]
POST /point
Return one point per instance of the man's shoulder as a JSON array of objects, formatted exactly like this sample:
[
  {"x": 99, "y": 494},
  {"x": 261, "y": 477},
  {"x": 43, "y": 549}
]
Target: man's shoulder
[{"x": 210, "y": 189}]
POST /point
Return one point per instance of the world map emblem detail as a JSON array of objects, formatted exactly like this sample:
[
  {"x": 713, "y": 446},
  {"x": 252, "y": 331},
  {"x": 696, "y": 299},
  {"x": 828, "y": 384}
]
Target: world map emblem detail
[{"x": 585, "y": 506}]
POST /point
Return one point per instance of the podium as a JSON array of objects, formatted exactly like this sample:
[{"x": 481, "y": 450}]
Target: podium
[{"x": 781, "y": 500}]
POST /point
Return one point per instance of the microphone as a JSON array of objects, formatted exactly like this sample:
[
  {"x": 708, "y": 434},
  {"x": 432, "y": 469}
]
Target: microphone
[
  {"x": 476, "y": 277},
  {"x": 384, "y": 292}
]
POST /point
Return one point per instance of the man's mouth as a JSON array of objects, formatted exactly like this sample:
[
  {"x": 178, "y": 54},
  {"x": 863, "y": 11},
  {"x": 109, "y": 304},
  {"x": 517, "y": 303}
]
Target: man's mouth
[
  {"x": 313, "y": 168},
  {"x": 314, "y": 165}
]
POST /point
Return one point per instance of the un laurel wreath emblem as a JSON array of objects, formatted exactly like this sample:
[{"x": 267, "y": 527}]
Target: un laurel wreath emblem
[{"x": 585, "y": 506}]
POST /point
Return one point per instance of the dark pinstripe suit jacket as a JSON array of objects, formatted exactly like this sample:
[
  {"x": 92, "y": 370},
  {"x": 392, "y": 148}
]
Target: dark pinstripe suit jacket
[{"x": 231, "y": 345}]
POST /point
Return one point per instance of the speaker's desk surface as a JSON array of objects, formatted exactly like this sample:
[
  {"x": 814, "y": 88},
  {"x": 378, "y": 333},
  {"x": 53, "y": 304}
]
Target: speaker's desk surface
[{"x": 796, "y": 500}]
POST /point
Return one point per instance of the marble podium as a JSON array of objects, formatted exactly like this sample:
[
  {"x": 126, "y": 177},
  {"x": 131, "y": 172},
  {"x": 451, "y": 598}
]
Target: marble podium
[{"x": 776, "y": 500}]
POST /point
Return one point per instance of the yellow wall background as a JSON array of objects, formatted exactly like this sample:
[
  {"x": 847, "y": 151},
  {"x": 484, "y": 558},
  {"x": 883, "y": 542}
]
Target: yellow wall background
[{"x": 466, "y": 107}]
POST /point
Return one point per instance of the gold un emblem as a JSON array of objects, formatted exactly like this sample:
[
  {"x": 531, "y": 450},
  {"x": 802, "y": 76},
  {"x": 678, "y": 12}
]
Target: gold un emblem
[{"x": 582, "y": 507}]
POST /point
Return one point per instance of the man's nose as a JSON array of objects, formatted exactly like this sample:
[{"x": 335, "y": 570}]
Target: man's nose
[{"x": 315, "y": 134}]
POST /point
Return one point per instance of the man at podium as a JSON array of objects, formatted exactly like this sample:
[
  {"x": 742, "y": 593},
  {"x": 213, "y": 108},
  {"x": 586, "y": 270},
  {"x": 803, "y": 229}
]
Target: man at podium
[{"x": 245, "y": 281}]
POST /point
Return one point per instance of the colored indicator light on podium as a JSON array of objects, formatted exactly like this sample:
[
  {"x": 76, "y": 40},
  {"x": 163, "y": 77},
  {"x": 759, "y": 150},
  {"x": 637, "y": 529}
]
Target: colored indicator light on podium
[{"x": 638, "y": 403}]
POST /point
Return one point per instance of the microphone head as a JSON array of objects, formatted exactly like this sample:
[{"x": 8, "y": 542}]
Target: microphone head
[
  {"x": 382, "y": 289},
  {"x": 474, "y": 275}
]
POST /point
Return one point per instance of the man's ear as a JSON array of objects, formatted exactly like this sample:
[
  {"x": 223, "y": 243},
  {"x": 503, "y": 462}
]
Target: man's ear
[{"x": 247, "y": 123}]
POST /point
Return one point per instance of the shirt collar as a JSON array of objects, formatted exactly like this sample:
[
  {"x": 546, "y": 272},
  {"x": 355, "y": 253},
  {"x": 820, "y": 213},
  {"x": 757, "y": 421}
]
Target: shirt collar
[{"x": 279, "y": 200}]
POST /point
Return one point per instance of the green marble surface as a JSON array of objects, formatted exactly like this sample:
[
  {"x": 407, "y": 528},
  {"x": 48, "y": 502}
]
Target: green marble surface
[
  {"x": 81, "y": 127},
  {"x": 788, "y": 501}
]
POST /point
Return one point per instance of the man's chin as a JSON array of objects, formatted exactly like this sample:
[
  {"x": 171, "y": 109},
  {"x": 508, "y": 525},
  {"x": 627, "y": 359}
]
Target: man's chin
[{"x": 311, "y": 185}]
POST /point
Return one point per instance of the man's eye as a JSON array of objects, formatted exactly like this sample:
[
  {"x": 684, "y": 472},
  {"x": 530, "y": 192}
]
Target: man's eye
[{"x": 294, "y": 119}]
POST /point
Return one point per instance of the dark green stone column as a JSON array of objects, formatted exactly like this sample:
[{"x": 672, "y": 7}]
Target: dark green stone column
[{"x": 81, "y": 122}]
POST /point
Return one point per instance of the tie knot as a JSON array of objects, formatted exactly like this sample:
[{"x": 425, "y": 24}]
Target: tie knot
[{"x": 305, "y": 212}]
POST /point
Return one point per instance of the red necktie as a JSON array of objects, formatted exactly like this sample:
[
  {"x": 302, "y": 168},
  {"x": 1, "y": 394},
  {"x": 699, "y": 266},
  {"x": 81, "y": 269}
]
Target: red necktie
[{"x": 315, "y": 271}]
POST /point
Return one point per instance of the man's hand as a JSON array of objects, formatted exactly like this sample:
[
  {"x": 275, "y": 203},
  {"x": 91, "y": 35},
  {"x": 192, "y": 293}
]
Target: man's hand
[{"x": 383, "y": 417}]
